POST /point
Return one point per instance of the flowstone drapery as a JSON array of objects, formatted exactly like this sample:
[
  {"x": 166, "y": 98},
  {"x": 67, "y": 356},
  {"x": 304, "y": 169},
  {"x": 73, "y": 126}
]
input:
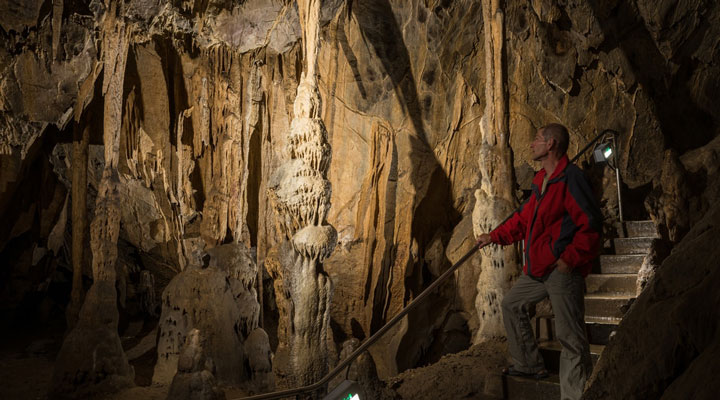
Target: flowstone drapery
[
  {"x": 300, "y": 192},
  {"x": 494, "y": 199}
]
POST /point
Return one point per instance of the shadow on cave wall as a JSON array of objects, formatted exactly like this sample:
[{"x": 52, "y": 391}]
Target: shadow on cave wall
[
  {"x": 434, "y": 212},
  {"x": 684, "y": 123}
]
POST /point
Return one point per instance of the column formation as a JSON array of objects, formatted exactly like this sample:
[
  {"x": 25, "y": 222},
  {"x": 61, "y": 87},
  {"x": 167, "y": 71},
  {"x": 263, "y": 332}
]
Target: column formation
[
  {"x": 494, "y": 198},
  {"x": 301, "y": 193}
]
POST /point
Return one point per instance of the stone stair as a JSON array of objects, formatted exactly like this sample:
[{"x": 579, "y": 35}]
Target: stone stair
[{"x": 610, "y": 289}]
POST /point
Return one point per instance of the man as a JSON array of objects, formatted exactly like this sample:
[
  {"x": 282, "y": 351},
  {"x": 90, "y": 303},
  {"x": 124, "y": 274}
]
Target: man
[{"x": 561, "y": 225}]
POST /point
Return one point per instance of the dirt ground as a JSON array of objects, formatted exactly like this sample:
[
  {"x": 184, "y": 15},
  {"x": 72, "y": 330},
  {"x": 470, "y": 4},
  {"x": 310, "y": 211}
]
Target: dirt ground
[{"x": 470, "y": 374}]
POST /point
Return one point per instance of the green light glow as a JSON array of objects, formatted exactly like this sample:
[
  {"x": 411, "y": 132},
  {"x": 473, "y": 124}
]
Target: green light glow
[{"x": 607, "y": 152}]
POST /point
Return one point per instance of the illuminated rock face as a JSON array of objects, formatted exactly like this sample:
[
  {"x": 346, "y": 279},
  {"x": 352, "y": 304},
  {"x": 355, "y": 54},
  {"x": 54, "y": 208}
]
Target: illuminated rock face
[
  {"x": 221, "y": 302},
  {"x": 301, "y": 193},
  {"x": 194, "y": 379},
  {"x": 208, "y": 139}
]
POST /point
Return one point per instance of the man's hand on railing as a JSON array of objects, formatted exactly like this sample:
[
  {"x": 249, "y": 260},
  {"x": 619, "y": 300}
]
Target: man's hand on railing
[{"x": 483, "y": 240}]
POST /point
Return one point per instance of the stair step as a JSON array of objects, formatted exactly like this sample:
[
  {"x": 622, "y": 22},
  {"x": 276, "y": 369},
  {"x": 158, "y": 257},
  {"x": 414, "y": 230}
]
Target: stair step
[
  {"x": 641, "y": 229},
  {"x": 611, "y": 283},
  {"x": 551, "y": 354},
  {"x": 517, "y": 388},
  {"x": 633, "y": 245},
  {"x": 606, "y": 305},
  {"x": 600, "y": 329},
  {"x": 621, "y": 264}
]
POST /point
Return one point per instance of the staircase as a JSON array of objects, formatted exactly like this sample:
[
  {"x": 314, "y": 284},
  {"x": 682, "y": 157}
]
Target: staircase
[{"x": 610, "y": 289}]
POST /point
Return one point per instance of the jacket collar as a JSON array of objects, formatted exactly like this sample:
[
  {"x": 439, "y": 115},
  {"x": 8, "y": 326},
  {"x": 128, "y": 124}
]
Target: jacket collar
[{"x": 559, "y": 169}]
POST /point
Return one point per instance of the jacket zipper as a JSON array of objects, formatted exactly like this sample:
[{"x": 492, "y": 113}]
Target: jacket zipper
[{"x": 532, "y": 223}]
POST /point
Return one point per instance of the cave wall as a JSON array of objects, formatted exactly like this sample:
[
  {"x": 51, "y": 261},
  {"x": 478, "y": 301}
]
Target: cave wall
[{"x": 207, "y": 104}]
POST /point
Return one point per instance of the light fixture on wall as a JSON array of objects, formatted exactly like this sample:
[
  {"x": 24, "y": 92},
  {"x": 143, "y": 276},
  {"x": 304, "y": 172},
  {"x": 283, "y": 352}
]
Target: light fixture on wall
[{"x": 603, "y": 152}]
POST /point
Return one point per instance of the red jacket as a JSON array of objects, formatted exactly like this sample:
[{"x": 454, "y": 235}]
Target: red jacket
[{"x": 564, "y": 222}]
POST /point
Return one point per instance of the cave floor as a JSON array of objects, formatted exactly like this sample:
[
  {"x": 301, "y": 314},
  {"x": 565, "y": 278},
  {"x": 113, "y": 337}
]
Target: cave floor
[
  {"x": 469, "y": 374},
  {"x": 27, "y": 356}
]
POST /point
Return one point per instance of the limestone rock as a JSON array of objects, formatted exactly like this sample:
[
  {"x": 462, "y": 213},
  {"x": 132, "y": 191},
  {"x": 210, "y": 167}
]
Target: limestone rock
[
  {"x": 18, "y": 16},
  {"x": 203, "y": 120},
  {"x": 78, "y": 375},
  {"x": 670, "y": 345},
  {"x": 650, "y": 264},
  {"x": 257, "y": 347},
  {"x": 194, "y": 379},
  {"x": 220, "y": 302}
]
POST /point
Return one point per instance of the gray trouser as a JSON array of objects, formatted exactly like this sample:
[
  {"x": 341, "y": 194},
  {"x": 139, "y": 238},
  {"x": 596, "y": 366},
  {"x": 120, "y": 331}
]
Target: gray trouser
[{"x": 566, "y": 293}]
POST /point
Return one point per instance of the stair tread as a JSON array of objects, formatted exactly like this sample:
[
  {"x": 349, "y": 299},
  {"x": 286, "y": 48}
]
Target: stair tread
[
  {"x": 610, "y": 296},
  {"x": 517, "y": 387},
  {"x": 602, "y": 320},
  {"x": 593, "y": 319},
  {"x": 619, "y": 275},
  {"x": 555, "y": 345},
  {"x": 640, "y": 228},
  {"x": 613, "y": 264}
]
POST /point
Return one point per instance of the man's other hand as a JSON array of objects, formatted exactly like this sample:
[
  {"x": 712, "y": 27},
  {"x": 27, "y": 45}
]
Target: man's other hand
[
  {"x": 562, "y": 266},
  {"x": 484, "y": 240}
]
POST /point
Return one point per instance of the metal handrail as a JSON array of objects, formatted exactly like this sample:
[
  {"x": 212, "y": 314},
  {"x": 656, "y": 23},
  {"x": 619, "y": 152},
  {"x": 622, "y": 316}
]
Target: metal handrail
[
  {"x": 412, "y": 305},
  {"x": 372, "y": 339}
]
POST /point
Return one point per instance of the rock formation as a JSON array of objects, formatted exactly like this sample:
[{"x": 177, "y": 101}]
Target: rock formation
[
  {"x": 203, "y": 102},
  {"x": 219, "y": 301},
  {"x": 259, "y": 356},
  {"x": 669, "y": 335},
  {"x": 494, "y": 200},
  {"x": 81, "y": 136},
  {"x": 301, "y": 194},
  {"x": 92, "y": 358},
  {"x": 194, "y": 379}
]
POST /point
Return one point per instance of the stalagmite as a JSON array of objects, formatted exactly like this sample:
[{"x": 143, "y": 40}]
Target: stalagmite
[
  {"x": 494, "y": 199},
  {"x": 92, "y": 358},
  {"x": 301, "y": 195},
  {"x": 195, "y": 379}
]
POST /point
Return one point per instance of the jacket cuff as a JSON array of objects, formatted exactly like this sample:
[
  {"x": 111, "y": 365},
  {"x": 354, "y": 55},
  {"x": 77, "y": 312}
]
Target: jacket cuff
[{"x": 494, "y": 237}]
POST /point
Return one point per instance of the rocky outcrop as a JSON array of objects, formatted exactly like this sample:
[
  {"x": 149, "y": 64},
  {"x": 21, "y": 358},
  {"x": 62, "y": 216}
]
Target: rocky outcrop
[
  {"x": 206, "y": 103},
  {"x": 669, "y": 335},
  {"x": 219, "y": 301},
  {"x": 194, "y": 379},
  {"x": 92, "y": 358},
  {"x": 259, "y": 356}
]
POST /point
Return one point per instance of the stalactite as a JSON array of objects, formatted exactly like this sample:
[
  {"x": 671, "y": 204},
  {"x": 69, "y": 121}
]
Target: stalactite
[
  {"x": 494, "y": 199},
  {"x": 225, "y": 206},
  {"x": 301, "y": 196}
]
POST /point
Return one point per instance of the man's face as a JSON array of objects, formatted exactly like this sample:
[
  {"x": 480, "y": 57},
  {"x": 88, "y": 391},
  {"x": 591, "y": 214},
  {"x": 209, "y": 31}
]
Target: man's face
[{"x": 540, "y": 146}]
